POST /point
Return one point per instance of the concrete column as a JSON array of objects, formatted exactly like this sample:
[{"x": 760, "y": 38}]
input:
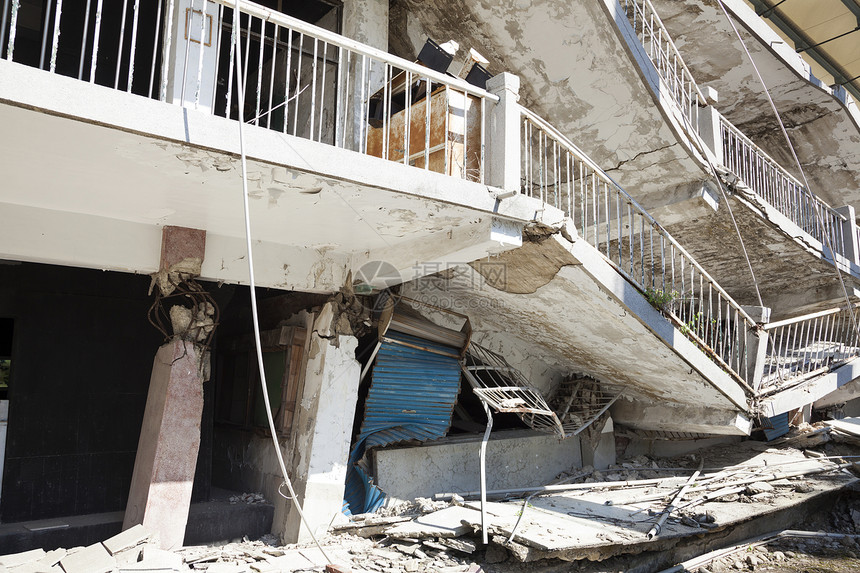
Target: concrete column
[
  {"x": 322, "y": 429},
  {"x": 163, "y": 478},
  {"x": 503, "y": 149},
  {"x": 756, "y": 344},
  {"x": 849, "y": 234},
  {"x": 364, "y": 21},
  {"x": 161, "y": 485},
  {"x": 602, "y": 455},
  {"x": 709, "y": 126},
  {"x": 192, "y": 30}
]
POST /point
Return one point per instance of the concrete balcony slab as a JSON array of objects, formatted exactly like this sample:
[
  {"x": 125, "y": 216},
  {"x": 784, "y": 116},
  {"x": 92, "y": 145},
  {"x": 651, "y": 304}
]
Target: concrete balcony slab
[{"x": 91, "y": 175}]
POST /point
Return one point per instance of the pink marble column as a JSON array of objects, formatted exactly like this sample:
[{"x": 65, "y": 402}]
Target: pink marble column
[{"x": 160, "y": 493}]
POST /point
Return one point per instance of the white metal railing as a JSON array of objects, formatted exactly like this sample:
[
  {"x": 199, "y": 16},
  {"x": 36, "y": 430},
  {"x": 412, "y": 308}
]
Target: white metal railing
[
  {"x": 740, "y": 155},
  {"x": 301, "y": 79},
  {"x": 779, "y": 188},
  {"x": 560, "y": 174},
  {"x": 806, "y": 346},
  {"x": 665, "y": 56}
]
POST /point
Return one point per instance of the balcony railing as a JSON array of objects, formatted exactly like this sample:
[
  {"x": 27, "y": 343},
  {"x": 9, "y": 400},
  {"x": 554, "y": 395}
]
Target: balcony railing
[
  {"x": 665, "y": 56},
  {"x": 557, "y": 172},
  {"x": 779, "y": 188},
  {"x": 301, "y": 79},
  {"x": 806, "y": 346}
]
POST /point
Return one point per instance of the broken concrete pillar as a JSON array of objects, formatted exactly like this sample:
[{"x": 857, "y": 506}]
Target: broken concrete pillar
[
  {"x": 602, "y": 455},
  {"x": 756, "y": 345},
  {"x": 709, "y": 126},
  {"x": 503, "y": 149},
  {"x": 160, "y": 492},
  {"x": 322, "y": 430},
  {"x": 851, "y": 249}
]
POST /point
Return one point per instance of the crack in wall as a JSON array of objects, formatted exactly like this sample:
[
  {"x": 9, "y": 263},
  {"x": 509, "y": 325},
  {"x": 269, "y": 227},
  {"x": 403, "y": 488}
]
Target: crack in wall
[{"x": 640, "y": 154}]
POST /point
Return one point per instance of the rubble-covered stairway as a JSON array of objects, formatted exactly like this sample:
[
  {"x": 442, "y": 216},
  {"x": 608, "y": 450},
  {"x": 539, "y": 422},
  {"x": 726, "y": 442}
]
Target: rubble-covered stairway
[{"x": 608, "y": 74}]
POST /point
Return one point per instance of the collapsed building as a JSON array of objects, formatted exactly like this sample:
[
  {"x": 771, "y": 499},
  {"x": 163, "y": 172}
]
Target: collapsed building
[{"x": 500, "y": 257}]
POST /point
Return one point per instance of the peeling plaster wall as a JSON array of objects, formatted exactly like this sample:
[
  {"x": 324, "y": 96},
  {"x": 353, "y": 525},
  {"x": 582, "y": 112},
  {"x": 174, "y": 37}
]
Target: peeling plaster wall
[
  {"x": 792, "y": 275},
  {"x": 574, "y": 71},
  {"x": 824, "y": 129}
]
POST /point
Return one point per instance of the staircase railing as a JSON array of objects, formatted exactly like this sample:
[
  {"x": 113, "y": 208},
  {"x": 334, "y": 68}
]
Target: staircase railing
[
  {"x": 774, "y": 184},
  {"x": 560, "y": 174},
  {"x": 740, "y": 155},
  {"x": 666, "y": 58},
  {"x": 806, "y": 346}
]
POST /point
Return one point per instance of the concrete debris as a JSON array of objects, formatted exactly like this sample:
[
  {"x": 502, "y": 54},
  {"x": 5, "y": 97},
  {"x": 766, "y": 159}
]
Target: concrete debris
[
  {"x": 131, "y": 537},
  {"x": 574, "y": 525},
  {"x": 248, "y": 498},
  {"x": 21, "y": 558},
  {"x": 92, "y": 559}
]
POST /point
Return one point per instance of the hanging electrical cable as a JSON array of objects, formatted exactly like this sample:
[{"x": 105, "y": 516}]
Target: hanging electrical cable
[
  {"x": 817, "y": 207},
  {"x": 240, "y": 86}
]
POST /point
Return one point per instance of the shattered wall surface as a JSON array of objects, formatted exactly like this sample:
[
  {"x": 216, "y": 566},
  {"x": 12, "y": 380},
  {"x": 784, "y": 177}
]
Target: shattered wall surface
[{"x": 824, "y": 131}]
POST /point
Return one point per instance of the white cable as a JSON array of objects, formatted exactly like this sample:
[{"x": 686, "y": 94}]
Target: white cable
[
  {"x": 817, "y": 207},
  {"x": 258, "y": 345}
]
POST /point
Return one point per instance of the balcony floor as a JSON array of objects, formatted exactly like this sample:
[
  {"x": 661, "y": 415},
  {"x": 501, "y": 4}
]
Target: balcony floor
[{"x": 91, "y": 176}]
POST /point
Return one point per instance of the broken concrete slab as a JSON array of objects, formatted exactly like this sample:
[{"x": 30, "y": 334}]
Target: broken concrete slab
[
  {"x": 597, "y": 524},
  {"x": 135, "y": 535},
  {"x": 228, "y": 567},
  {"x": 155, "y": 559},
  {"x": 448, "y": 522},
  {"x": 92, "y": 559},
  {"x": 16, "y": 559},
  {"x": 51, "y": 558},
  {"x": 846, "y": 425},
  {"x": 34, "y": 567}
]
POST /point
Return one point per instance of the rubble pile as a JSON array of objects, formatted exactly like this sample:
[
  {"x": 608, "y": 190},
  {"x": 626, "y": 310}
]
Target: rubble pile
[
  {"x": 588, "y": 518},
  {"x": 248, "y": 498}
]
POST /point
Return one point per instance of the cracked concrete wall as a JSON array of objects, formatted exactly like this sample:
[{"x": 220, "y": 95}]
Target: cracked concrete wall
[
  {"x": 516, "y": 458},
  {"x": 824, "y": 129},
  {"x": 575, "y": 72}
]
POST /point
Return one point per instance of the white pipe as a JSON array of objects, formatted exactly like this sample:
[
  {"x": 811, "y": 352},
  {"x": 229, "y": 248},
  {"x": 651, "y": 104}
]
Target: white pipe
[{"x": 252, "y": 285}]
